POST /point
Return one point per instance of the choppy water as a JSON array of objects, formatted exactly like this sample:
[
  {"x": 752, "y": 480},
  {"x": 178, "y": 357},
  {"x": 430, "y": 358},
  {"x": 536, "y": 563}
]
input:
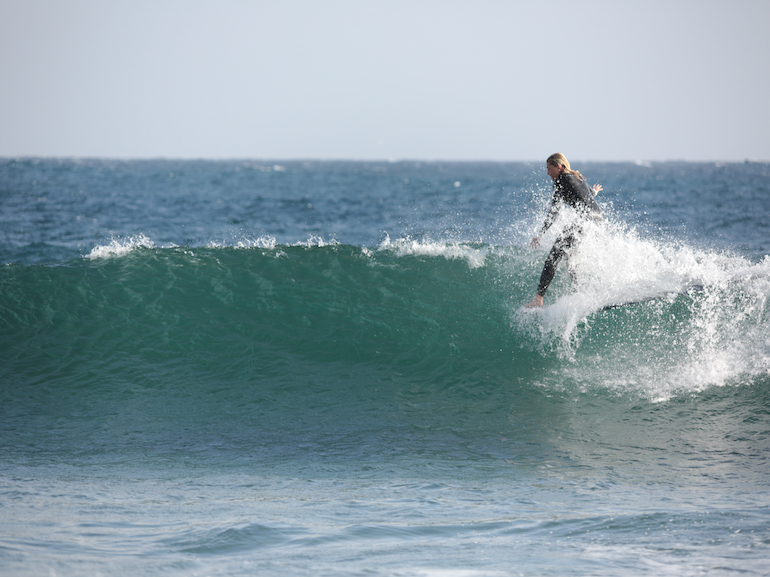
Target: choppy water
[{"x": 322, "y": 368}]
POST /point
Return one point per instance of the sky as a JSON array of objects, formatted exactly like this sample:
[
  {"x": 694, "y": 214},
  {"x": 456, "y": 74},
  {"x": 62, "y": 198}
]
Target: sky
[{"x": 418, "y": 79}]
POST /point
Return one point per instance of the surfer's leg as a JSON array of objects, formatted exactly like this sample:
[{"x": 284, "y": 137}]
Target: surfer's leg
[
  {"x": 549, "y": 268},
  {"x": 570, "y": 245},
  {"x": 558, "y": 250}
]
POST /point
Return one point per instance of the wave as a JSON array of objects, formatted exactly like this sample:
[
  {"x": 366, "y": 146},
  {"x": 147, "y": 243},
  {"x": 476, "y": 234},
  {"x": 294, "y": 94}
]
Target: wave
[
  {"x": 451, "y": 310},
  {"x": 334, "y": 349}
]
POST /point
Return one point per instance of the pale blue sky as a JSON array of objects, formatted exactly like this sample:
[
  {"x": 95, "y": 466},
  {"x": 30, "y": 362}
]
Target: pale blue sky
[{"x": 452, "y": 80}]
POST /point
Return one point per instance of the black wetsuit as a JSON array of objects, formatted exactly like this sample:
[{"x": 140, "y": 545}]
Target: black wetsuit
[{"x": 571, "y": 190}]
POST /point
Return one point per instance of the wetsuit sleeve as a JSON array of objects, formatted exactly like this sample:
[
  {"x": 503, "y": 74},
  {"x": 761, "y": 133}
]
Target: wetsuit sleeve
[
  {"x": 552, "y": 213},
  {"x": 558, "y": 195}
]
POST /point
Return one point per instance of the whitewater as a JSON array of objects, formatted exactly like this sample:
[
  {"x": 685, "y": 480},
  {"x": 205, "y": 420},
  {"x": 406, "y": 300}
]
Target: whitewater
[{"x": 324, "y": 368}]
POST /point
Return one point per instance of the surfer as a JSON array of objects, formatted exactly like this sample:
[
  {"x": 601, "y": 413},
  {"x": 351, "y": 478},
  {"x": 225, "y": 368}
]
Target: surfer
[{"x": 569, "y": 187}]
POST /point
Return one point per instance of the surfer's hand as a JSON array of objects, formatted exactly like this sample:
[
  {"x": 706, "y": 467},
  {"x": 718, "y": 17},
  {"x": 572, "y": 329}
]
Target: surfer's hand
[
  {"x": 535, "y": 242},
  {"x": 597, "y": 188}
]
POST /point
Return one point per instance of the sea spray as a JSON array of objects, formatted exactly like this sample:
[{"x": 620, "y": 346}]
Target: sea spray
[{"x": 683, "y": 319}]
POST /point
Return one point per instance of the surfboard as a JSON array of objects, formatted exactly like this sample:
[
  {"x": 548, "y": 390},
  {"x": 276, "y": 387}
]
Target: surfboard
[{"x": 688, "y": 290}]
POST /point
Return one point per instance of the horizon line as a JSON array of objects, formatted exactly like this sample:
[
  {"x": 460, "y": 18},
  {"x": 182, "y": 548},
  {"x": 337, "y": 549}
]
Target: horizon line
[{"x": 376, "y": 160}]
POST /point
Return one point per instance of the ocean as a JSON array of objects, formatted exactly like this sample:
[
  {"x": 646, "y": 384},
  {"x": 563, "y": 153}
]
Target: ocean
[{"x": 323, "y": 368}]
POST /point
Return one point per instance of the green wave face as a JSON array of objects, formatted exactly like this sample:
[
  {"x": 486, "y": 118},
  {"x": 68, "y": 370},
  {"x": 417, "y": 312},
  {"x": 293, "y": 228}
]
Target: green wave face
[{"x": 167, "y": 349}]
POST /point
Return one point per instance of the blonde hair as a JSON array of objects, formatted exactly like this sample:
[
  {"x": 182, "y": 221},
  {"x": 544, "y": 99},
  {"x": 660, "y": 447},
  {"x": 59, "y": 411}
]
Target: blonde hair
[{"x": 558, "y": 159}]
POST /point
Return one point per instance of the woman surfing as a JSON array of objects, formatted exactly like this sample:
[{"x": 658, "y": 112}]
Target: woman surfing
[{"x": 569, "y": 187}]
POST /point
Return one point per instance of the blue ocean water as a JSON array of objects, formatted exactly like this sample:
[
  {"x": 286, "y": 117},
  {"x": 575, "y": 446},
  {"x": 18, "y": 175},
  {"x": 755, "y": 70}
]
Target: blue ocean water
[{"x": 323, "y": 368}]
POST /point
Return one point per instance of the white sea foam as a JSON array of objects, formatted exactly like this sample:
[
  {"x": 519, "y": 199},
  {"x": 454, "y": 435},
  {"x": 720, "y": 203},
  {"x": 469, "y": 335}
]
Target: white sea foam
[
  {"x": 265, "y": 242},
  {"x": 473, "y": 255},
  {"x": 316, "y": 241},
  {"x": 120, "y": 247},
  {"x": 704, "y": 319}
]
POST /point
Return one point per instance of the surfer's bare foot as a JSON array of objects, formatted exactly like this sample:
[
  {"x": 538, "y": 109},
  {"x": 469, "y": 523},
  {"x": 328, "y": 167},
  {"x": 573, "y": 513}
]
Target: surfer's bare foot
[{"x": 535, "y": 302}]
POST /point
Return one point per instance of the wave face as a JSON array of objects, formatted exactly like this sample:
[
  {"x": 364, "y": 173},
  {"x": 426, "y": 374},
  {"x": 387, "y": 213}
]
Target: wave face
[
  {"x": 289, "y": 341},
  {"x": 157, "y": 349}
]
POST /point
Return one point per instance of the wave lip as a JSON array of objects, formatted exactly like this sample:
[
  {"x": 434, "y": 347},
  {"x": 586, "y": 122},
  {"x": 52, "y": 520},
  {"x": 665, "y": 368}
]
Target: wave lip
[
  {"x": 475, "y": 254},
  {"x": 120, "y": 247}
]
